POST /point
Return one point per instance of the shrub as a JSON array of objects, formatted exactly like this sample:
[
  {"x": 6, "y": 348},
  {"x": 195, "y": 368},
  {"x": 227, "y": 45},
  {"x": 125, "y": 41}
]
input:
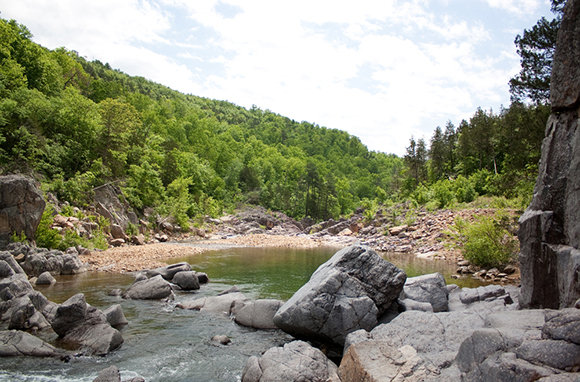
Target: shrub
[{"x": 487, "y": 242}]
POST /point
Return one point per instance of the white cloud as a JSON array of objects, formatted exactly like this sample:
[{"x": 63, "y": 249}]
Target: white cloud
[
  {"x": 381, "y": 69},
  {"x": 518, "y": 7}
]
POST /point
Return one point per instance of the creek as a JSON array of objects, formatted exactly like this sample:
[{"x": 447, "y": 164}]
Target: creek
[{"x": 167, "y": 344}]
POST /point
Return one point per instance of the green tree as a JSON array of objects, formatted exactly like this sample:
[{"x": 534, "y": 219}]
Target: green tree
[{"x": 536, "y": 48}]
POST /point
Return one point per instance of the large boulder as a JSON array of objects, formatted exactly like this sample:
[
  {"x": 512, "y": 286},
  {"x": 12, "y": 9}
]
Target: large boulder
[
  {"x": 186, "y": 280},
  {"x": 21, "y": 207},
  {"x": 14, "y": 343},
  {"x": 550, "y": 228},
  {"x": 296, "y": 361},
  {"x": 85, "y": 327},
  {"x": 429, "y": 288},
  {"x": 38, "y": 261},
  {"x": 513, "y": 347},
  {"x": 379, "y": 362},
  {"x": 258, "y": 314},
  {"x": 169, "y": 271},
  {"x": 215, "y": 304},
  {"x": 155, "y": 288},
  {"x": 347, "y": 293}
]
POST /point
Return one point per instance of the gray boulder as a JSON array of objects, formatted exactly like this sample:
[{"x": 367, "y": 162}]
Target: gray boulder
[
  {"x": 21, "y": 207},
  {"x": 215, "y": 304},
  {"x": 115, "y": 316},
  {"x": 488, "y": 292},
  {"x": 429, "y": 288},
  {"x": 55, "y": 262},
  {"x": 258, "y": 314},
  {"x": 169, "y": 271},
  {"x": 377, "y": 361},
  {"x": 110, "y": 374},
  {"x": 16, "y": 343},
  {"x": 296, "y": 361},
  {"x": 85, "y": 327},
  {"x": 186, "y": 280},
  {"x": 45, "y": 278},
  {"x": 550, "y": 228},
  {"x": 13, "y": 286},
  {"x": 23, "y": 315},
  {"x": 155, "y": 288},
  {"x": 563, "y": 325},
  {"x": 511, "y": 348},
  {"x": 345, "y": 294}
]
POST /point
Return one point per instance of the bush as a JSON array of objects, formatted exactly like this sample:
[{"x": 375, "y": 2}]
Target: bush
[{"x": 487, "y": 242}]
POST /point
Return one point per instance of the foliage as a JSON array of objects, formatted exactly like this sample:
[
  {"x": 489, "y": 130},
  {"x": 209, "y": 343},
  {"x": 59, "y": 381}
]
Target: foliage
[
  {"x": 536, "y": 48},
  {"x": 46, "y": 236},
  {"x": 487, "y": 242}
]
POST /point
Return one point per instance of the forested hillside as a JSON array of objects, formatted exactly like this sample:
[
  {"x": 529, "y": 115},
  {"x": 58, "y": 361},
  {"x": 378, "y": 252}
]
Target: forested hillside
[
  {"x": 79, "y": 124},
  {"x": 76, "y": 125}
]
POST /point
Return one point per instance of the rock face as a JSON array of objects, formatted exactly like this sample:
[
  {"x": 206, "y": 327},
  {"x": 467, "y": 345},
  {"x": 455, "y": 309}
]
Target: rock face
[
  {"x": 550, "y": 228},
  {"x": 296, "y": 361},
  {"x": 21, "y": 207},
  {"x": 347, "y": 293}
]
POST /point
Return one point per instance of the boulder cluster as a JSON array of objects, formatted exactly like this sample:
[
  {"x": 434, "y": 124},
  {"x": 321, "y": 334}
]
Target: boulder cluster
[{"x": 24, "y": 310}]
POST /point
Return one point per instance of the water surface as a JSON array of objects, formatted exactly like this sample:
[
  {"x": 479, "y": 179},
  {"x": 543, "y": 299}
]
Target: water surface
[{"x": 167, "y": 344}]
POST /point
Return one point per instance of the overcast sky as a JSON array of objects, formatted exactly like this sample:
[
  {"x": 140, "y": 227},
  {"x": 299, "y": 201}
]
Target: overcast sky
[{"x": 383, "y": 70}]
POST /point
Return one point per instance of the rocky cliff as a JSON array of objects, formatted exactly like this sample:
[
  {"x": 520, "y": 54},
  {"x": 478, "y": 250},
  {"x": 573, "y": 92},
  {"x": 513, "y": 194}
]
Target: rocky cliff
[{"x": 550, "y": 227}]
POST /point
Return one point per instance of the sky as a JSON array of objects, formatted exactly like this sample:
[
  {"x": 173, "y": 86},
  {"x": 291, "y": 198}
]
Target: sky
[{"x": 382, "y": 70}]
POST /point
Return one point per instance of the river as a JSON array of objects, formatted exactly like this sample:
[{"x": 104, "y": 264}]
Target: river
[{"x": 167, "y": 344}]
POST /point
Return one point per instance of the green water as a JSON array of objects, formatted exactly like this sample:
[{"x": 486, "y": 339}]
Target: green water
[{"x": 279, "y": 272}]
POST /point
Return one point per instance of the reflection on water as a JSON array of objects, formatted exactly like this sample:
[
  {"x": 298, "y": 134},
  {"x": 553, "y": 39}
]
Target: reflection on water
[{"x": 163, "y": 344}]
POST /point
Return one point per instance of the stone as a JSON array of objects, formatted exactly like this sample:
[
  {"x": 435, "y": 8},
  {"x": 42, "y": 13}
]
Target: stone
[
  {"x": 408, "y": 304},
  {"x": 202, "y": 277},
  {"x": 69, "y": 314},
  {"x": 558, "y": 354},
  {"x": 5, "y": 269},
  {"x": 117, "y": 232},
  {"x": 221, "y": 339},
  {"x": 258, "y": 314},
  {"x": 55, "y": 262},
  {"x": 85, "y": 327},
  {"x": 116, "y": 242},
  {"x": 16, "y": 343},
  {"x": 563, "y": 325},
  {"x": 115, "y": 316},
  {"x": 429, "y": 288},
  {"x": 296, "y": 361},
  {"x": 138, "y": 239},
  {"x": 214, "y": 304},
  {"x": 550, "y": 227},
  {"x": 169, "y": 271},
  {"x": 21, "y": 207},
  {"x": 471, "y": 295},
  {"x": 396, "y": 231},
  {"x": 348, "y": 292},
  {"x": 186, "y": 280},
  {"x": 110, "y": 374},
  {"x": 45, "y": 278},
  {"x": 155, "y": 288},
  {"x": 23, "y": 315},
  {"x": 14, "y": 286},
  {"x": 378, "y": 362}
]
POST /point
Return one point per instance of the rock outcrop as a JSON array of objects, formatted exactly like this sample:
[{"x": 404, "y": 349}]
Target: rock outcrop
[
  {"x": 21, "y": 207},
  {"x": 155, "y": 288},
  {"x": 18, "y": 343},
  {"x": 550, "y": 228},
  {"x": 35, "y": 261},
  {"x": 296, "y": 361},
  {"x": 347, "y": 293}
]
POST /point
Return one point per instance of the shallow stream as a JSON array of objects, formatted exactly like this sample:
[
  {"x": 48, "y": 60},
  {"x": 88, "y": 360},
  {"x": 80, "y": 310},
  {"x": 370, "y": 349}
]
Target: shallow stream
[{"x": 167, "y": 344}]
